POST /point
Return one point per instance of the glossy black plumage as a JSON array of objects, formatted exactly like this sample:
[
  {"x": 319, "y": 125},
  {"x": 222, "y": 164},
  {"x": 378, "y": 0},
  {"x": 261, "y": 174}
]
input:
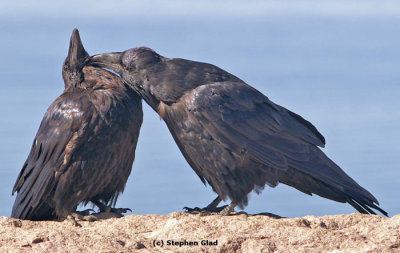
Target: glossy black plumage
[
  {"x": 233, "y": 136},
  {"x": 85, "y": 145}
]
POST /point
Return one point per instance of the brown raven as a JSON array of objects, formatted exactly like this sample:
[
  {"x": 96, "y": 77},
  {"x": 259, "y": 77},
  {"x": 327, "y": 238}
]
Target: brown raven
[
  {"x": 85, "y": 145},
  {"x": 234, "y": 137}
]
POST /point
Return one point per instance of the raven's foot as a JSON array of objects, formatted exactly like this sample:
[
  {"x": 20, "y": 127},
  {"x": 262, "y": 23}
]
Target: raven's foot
[
  {"x": 107, "y": 215},
  {"x": 108, "y": 211},
  {"x": 104, "y": 208},
  {"x": 117, "y": 210},
  {"x": 204, "y": 210},
  {"x": 82, "y": 216},
  {"x": 211, "y": 208}
]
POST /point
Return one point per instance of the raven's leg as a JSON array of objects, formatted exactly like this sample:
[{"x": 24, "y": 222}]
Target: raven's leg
[
  {"x": 227, "y": 209},
  {"x": 108, "y": 209},
  {"x": 212, "y": 207}
]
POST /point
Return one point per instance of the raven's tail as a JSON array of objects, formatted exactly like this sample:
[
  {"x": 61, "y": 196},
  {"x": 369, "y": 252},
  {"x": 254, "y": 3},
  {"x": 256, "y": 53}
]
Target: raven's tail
[{"x": 321, "y": 176}]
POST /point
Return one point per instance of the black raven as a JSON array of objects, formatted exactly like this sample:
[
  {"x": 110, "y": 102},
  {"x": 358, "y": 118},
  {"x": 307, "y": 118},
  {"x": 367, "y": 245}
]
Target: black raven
[
  {"x": 85, "y": 145},
  {"x": 234, "y": 137}
]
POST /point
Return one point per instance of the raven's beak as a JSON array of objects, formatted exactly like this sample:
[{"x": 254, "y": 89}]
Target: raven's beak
[
  {"x": 77, "y": 54},
  {"x": 110, "y": 61}
]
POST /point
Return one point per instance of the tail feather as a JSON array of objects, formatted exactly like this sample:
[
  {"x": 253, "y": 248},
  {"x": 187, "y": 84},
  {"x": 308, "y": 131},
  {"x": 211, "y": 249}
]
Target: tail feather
[
  {"x": 364, "y": 206},
  {"x": 32, "y": 201},
  {"x": 348, "y": 193}
]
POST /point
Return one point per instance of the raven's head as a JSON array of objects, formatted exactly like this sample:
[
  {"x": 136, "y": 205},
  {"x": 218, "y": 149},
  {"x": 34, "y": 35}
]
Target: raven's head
[
  {"x": 135, "y": 67},
  {"x": 127, "y": 63},
  {"x": 75, "y": 61}
]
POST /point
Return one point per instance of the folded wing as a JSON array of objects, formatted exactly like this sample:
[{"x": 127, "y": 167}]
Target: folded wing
[
  {"x": 247, "y": 122},
  {"x": 59, "y": 134}
]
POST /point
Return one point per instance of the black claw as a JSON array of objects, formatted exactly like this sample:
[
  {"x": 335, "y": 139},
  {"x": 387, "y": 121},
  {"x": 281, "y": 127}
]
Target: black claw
[{"x": 191, "y": 210}]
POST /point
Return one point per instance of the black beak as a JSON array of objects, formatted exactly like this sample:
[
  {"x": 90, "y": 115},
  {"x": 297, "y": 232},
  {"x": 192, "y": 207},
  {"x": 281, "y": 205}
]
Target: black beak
[
  {"x": 77, "y": 54},
  {"x": 110, "y": 61}
]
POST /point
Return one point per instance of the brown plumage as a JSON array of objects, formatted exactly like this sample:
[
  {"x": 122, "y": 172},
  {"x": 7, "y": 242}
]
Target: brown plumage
[
  {"x": 85, "y": 145},
  {"x": 234, "y": 137}
]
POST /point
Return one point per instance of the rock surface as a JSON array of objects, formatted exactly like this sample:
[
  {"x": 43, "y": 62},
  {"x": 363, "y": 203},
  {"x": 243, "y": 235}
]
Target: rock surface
[{"x": 191, "y": 233}]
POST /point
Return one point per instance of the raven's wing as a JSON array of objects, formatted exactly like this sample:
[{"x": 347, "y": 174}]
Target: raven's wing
[
  {"x": 59, "y": 134},
  {"x": 247, "y": 122}
]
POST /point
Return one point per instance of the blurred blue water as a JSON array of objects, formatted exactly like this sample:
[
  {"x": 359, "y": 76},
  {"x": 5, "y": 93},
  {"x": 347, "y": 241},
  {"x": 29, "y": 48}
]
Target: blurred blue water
[{"x": 340, "y": 73}]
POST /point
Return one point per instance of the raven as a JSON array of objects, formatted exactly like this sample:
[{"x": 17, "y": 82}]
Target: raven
[
  {"x": 85, "y": 146},
  {"x": 234, "y": 137}
]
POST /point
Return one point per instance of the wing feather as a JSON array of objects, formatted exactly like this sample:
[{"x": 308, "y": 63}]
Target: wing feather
[{"x": 48, "y": 155}]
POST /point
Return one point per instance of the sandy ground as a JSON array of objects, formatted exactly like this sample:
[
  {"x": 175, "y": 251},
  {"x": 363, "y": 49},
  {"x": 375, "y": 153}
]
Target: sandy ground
[{"x": 184, "y": 232}]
